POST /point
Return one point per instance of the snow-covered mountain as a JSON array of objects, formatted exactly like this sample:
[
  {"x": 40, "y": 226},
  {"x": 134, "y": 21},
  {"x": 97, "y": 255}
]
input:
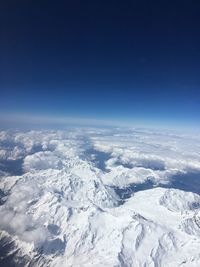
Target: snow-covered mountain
[{"x": 99, "y": 197}]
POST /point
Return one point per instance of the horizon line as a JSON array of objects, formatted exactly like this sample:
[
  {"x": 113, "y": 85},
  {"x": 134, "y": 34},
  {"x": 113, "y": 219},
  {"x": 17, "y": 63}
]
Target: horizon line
[{"x": 28, "y": 119}]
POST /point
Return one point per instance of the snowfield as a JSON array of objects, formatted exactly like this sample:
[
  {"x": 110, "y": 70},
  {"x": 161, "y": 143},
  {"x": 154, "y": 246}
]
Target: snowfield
[{"x": 99, "y": 197}]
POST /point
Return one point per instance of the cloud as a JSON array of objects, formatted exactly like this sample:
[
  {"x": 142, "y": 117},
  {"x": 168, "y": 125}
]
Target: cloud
[
  {"x": 62, "y": 193},
  {"x": 42, "y": 161},
  {"x": 14, "y": 216}
]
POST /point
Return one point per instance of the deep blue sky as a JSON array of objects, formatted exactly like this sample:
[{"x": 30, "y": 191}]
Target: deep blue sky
[{"x": 122, "y": 60}]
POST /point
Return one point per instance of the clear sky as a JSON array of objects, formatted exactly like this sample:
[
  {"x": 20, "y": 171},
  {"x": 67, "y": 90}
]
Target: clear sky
[{"x": 114, "y": 60}]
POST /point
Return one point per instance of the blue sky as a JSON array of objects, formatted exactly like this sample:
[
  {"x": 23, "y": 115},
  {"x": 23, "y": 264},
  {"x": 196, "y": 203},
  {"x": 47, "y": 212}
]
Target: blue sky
[{"x": 108, "y": 60}]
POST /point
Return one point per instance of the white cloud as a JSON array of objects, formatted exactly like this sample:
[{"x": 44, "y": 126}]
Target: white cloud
[
  {"x": 42, "y": 161},
  {"x": 64, "y": 188}
]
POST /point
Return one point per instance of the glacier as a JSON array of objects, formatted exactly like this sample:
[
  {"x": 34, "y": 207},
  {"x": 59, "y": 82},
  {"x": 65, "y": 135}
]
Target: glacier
[{"x": 99, "y": 197}]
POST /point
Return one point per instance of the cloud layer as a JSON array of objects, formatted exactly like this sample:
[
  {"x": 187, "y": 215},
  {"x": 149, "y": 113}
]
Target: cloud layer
[{"x": 64, "y": 202}]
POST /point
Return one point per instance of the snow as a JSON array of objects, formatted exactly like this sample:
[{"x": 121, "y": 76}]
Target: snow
[{"x": 64, "y": 210}]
